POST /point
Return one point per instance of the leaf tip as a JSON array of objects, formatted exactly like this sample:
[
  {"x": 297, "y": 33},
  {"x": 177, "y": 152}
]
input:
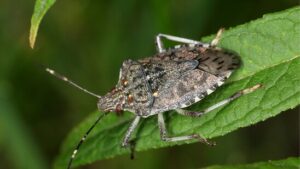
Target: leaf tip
[{"x": 32, "y": 36}]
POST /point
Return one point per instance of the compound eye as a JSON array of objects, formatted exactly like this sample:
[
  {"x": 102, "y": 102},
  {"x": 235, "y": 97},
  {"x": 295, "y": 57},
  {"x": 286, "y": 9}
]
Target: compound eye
[{"x": 119, "y": 108}]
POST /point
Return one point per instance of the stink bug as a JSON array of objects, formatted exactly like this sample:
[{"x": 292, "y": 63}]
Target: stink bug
[{"x": 172, "y": 79}]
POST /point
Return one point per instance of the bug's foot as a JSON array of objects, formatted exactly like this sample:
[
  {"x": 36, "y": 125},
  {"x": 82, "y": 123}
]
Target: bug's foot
[
  {"x": 132, "y": 149},
  {"x": 204, "y": 140},
  {"x": 131, "y": 146},
  {"x": 211, "y": 143},
  {"x": 216, "y": 40},
  {"x": 124, "y": 145}
]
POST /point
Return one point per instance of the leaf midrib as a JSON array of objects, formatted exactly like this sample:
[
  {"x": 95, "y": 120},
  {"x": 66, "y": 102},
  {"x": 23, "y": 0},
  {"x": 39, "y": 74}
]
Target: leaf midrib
[{"x": 197, "y": 126}]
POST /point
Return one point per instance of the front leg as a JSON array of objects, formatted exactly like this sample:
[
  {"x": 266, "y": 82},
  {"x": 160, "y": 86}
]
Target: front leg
[
  {"x": 130, "y": 130},
  {"x": 164, "y": 134}
]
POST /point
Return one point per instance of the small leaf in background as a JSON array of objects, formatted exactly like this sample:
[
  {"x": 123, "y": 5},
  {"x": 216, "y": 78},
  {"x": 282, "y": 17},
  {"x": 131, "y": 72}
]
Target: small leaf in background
[
  {"x": 269, "y": 49},
  {"x": 40, "y": 9},
  {"x": 289, "y": 163}
]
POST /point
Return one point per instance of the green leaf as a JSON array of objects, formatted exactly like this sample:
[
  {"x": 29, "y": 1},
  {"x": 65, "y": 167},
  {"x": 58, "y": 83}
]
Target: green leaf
[
  {"x": 269, "y": 49},
  {"x": 289, "y": 163},
  {"x": 40, "y": 9}
]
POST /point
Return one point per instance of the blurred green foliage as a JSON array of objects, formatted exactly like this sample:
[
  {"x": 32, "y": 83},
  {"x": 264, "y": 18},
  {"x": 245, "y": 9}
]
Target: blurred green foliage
[
  {"x": 289, "y": 163},
  {"x": 269, "y": 56},
  {"x": 87, "y": 41}
]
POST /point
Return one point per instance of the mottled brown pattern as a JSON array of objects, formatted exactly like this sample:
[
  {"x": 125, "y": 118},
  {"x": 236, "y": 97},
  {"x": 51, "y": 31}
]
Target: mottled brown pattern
[{"x": 169, "y": 80}]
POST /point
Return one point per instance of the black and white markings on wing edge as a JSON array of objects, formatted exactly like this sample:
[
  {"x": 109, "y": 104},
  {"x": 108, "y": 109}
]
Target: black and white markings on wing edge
[{"x": 172, "y": 79}]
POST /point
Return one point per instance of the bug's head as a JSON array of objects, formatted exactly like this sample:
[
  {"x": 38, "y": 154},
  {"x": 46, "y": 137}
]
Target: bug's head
[
  {"x": 119, "y": 97},
  {"x": 112, "y": 101}
]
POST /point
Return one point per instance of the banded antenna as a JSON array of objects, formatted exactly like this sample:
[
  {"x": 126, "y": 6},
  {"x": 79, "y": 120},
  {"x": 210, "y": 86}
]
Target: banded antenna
[
  {"x": 59, "y": 76},
  {"x": 84, "y": 138},
  {"x": 64, "y": 78}
]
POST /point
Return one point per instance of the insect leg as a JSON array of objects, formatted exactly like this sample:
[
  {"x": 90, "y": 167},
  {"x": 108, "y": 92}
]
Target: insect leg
[
  {"x": 160, "y": 46},
  {"x": 216, "y": 40},
  {"x": 159, "y": 43},
  {"x": 131, "y": 128},
  {"x": 221, "y": 103},
  {"x": 164, "y": 134}
]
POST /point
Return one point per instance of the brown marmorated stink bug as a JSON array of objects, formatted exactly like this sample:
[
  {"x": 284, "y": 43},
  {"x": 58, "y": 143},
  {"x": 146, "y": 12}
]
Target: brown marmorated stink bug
[{"x": 172, "y": 79}]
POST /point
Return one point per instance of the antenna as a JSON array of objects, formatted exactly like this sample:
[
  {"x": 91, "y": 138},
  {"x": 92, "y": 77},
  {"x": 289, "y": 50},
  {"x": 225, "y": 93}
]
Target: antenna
[
  {"x": 61, "y": 77},
  {"x": 84, "y": 138}
]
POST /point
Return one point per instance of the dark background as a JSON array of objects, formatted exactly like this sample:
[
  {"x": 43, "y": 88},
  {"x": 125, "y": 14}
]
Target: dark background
[{"x": 87, "y": 40}]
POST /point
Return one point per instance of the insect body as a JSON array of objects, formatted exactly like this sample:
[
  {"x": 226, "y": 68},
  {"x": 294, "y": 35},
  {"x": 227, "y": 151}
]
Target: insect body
[{"x": 170, "y": 80}]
